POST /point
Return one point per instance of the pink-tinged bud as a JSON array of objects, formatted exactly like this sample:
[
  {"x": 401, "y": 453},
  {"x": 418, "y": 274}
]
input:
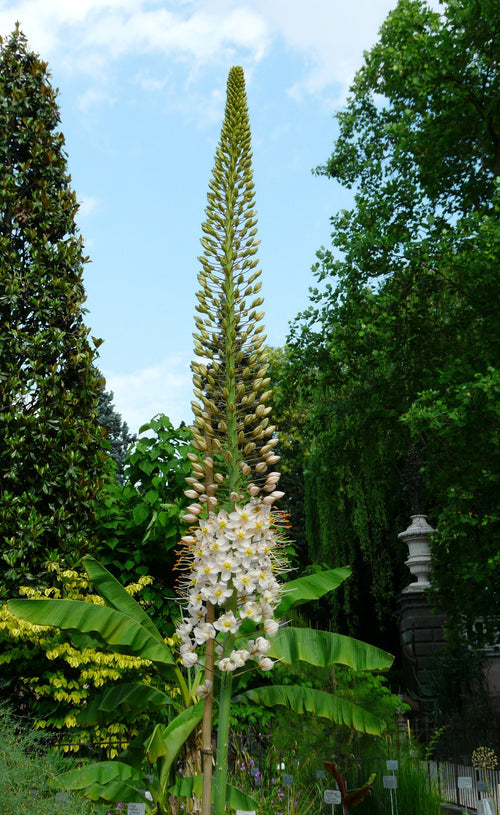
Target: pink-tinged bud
[
  {"x": 277, "y": 495},
  {"x": 268, "y": 499},
  {"x": 272, "y": 459},
  {"x": 194, "y": 509},
  {"x": 253, "y": 490},
  {"x": 212, "y": 501},
  {"x": 189, "y": 518},
  {"x": 191, "y": 493},
  {"x": 261, "y": 467},
  {"x": 234, "y": 496},
  {"x": 188, "y": 539}
]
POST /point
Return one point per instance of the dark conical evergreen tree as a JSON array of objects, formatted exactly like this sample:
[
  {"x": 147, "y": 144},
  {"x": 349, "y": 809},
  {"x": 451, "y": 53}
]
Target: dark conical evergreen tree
[
  {"x": 117, "y": 431},
  {"x": 51, "y": 444}
]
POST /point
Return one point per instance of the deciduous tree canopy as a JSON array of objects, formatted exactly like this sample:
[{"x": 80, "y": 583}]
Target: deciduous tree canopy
[{"x": 397, "y": 356}]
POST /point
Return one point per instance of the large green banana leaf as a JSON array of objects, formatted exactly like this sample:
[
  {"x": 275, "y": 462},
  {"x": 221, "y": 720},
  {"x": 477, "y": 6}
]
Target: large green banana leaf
[
  {"x": 106, "y": 780},
  {"x": 176, "y": 734},
  {"x": 116, "y": 596},
  {"x": 117, "y": 791},
  {"x": 311, "y": 587},
  {"x": 309, "y": 700},
  {"x": 118, "y": 630},
  {"x": 193, "y": 785},
  {"x": 128, "y": 698},
  {"x": 324, "y": 648}
]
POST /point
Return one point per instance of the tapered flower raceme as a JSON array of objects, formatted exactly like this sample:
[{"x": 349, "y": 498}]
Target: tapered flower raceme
[
  {"x": 232, "y": 430},
  {"x": 232, "y": 485}
]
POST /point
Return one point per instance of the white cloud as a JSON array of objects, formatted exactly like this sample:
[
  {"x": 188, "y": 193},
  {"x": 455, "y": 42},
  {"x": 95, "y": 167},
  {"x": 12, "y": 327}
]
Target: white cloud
[
  {"x": 85, "y": 35},
  {"x": 162, "y": 388},
  {"x": 328, "y": 33},
  {"x": 88, "y": 206},
  {"x": 150, "y": 83},
  {"x": 91, "y": 98}
]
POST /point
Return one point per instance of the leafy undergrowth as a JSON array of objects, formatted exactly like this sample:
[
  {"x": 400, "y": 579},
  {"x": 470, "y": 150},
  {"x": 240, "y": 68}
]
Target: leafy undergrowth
[{"x": 28, "y": 774}]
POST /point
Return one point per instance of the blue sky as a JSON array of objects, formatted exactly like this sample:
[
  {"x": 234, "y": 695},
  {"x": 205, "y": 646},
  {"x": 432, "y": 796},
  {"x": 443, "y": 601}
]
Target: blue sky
[{"x": 142, "y": 90}]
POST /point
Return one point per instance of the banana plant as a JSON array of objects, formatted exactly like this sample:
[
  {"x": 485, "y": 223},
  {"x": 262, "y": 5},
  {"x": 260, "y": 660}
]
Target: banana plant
[
  {"x": 149, "y": 761},
  {"x": 123, "y": 625}
]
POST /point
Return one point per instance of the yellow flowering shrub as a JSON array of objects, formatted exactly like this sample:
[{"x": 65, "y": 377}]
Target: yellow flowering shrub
[{"x": 51, "y": 678}]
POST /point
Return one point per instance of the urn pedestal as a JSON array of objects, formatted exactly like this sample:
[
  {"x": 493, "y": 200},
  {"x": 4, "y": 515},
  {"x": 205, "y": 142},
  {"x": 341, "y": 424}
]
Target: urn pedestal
[
  {"x": 416, "y": 538},
  {"x": 421, "y": 629}
]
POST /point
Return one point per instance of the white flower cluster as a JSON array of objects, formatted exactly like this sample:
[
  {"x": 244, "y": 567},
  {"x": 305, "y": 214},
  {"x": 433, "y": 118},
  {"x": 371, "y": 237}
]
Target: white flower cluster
[{"x": 233, "y": 565}]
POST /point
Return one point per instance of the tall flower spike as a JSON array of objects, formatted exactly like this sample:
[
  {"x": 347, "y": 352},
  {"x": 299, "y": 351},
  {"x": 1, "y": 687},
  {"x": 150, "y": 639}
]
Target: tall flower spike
[{"x": 231, "y": 427}]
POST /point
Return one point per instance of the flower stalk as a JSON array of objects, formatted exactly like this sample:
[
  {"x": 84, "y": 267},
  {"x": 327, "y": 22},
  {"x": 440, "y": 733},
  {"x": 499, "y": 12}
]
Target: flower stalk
[{"x": 232, "y": 555}]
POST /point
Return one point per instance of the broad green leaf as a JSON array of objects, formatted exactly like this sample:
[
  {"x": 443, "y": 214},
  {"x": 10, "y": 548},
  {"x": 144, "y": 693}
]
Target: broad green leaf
[
  {"x": 141, "y": 512},
  {"x": 193, "y": 785},
  {"x": 117, "y": 791},
  {"x": 176, "y": 734},
  {"x": 156, "y": 746},
  {"x": 309, "y": 700},
  {"x": 323, "y": 648},
  {"x": 311, "y": 587},
  {"x": 101, "y": 773},
  {"x": 116, "y": 596},
  {"x": 118, "y": 630},
  {"x": 129, "y": 697}
]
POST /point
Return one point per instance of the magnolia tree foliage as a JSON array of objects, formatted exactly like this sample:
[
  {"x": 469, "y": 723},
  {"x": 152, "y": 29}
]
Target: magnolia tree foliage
[{"x": 51, "y": 453}]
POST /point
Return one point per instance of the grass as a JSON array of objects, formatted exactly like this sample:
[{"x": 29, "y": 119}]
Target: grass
[{"x": 28, "y": 775}]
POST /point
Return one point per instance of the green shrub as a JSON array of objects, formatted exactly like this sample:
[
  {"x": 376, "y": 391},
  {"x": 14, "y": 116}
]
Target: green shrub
[{"x": 28, "y": 774}]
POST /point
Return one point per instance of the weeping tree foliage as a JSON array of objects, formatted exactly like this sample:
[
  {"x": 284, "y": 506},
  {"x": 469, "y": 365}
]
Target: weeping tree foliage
[
  {"x": 397, "y": 356},
  {"x": 51, "y": 453}
]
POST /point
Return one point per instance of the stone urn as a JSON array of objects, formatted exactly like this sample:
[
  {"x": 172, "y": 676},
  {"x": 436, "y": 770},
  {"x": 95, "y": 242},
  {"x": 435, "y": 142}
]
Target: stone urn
[{"x": 416, "y": 538}]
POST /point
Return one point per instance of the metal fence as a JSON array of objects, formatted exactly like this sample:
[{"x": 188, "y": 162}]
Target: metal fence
[{"x": 461, "y": 784}]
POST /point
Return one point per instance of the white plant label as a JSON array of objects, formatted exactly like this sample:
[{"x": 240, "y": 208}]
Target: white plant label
[
  {"x": 136, "y": 809},
  {"x": 332, "y": 796},
  {"x": 245, "y": 812},
  {"x": 464, "y": 782},
  {"x": 288, "y": 780},
  {"x": 61, "y": 799},
  {"x": 390, "y": 782},
  {"x": 392, "y": 764}
]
